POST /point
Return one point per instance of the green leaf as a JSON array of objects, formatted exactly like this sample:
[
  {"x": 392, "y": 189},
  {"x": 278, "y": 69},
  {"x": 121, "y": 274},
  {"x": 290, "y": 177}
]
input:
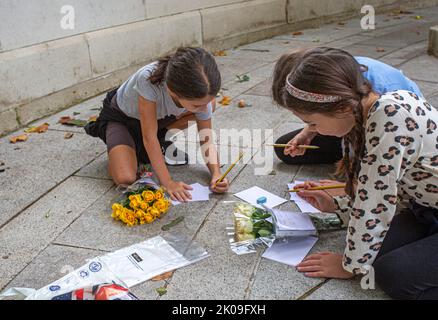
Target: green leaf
[
  {"x": 264, "y": 233},
  {"x": 161, "y": 291},
  {"x": 172, "y": 223},
  {"x": 243, "y": 78},
  {"x": 77, "y": 123}
]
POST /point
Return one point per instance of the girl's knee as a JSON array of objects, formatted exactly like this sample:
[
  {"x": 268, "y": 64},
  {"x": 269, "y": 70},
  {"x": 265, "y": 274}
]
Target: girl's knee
[{"x": 127, "y": 178}]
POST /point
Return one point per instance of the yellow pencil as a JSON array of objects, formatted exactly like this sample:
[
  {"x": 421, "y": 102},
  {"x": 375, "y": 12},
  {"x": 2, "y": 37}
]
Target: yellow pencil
[
  {"x": 303, "y": 146},
  {"x": 229, "y": 169},
  {"x": 336, "y": 186}
]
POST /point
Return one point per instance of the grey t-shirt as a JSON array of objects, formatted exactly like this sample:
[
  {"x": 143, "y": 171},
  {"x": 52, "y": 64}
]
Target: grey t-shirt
[{"x": 139, "y": 84}]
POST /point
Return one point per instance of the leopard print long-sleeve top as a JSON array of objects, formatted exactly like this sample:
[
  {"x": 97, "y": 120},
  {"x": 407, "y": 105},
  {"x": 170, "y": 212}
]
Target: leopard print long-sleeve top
[{"x": 401, "y": 159}]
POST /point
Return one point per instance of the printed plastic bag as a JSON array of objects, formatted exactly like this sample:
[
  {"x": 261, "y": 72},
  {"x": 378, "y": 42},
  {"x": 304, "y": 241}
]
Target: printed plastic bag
[
  {"x": 123, "y": 268},
  {"x": 105, "y": 291}
]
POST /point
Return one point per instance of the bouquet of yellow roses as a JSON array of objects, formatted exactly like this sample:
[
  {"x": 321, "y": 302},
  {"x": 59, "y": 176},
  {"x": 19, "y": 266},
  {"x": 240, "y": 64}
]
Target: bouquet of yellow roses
[{"x": 142, "y": 202}]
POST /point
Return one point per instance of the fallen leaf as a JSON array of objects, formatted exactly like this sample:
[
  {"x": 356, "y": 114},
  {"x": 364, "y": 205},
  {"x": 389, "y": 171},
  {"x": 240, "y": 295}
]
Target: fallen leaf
[
  {"x": 64, "y": 120},
  {"x": 297, "y": 33},
  {"x": 75, "y": 113},
  {"x": 98, "y": 109},
  {"x": 92, "y": 118},
  {"x": 68, "y": 135},
  {"x": 316, "y": 40},
  {"x": 341, "y": 23},
  {"x": 243, "y": 78},
  {"x": 418, "y": 17},
  {"x": 225, "y": 101},
  {"x": 220, "y": 53},
  {"x": 380, "y": 50},
  {"x": 172, "y": 223},
  {"x": 161, "y": 291},
  {"x": 20, "y": 138},
  {"x": 72, "y": 122},
  {"x": 47, "y": 214},
  {"x": 272, "y": 173},
  {"x": 2, "y": 163},
  {"x": 40, "y": 129},
  {"x": 163, "y": 276}
]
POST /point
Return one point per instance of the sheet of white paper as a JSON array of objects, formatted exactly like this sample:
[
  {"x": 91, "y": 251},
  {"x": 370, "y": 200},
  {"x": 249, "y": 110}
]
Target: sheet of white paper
[
  {"x": 252, "y": 194},
  {"x": 199, "y": 193},
  {"x": 300, "y": 202},
  {"x": 291, "y": 251},
  {"x": 288, "y": 220}
]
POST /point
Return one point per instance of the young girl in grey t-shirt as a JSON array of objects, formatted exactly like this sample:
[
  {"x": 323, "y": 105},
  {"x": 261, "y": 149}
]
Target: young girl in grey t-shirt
[{"x": 163, "y": 95}]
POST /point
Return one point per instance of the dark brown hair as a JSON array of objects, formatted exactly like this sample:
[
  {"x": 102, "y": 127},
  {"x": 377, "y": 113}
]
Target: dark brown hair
[
  {"x": 191, "y": 73},
  {"x": 333, "y": 72}
]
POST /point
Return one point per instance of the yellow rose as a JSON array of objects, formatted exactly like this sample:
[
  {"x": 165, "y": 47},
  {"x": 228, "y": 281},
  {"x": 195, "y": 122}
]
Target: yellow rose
[
  {"x": 144, "y": 205},
  {"x": 129, "y": 217},
  {"x": 139, "y": 214},
  {"x": 159, "y": 195},
  {"x": 148, "y": 195},
  {"x": 149, "y": 218},
  {"x": 154, "y": 212},
  {"x": 133, "y": 201},
  {"x": 116, "y": 206},
  {"x": 162, "y": 205}
]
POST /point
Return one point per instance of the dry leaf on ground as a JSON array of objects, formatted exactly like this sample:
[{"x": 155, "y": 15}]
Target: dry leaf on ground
[
  {"x": 20, "y": 138},
  {"x": 163, "y": 276},
  {"x": 68, "y": 135},
  {"x": 220, "y": 53},
  {"x": 225, "y": 101},
  {"x": 40, "y": 129}
]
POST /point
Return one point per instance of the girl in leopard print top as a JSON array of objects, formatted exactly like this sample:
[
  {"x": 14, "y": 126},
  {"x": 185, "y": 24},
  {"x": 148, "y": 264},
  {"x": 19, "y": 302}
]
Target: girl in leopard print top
[{"x": 390, "y": 153}]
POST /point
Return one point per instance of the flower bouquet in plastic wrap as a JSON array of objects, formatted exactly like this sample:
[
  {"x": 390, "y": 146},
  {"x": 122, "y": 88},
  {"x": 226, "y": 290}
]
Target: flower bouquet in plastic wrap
[
  {"x": 142, "y": 202},
  {"x": 252, "y": 228},
  {"x": 255, "y": 227}
]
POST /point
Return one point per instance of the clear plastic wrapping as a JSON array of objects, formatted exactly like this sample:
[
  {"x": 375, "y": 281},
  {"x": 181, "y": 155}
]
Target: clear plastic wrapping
[{"x": 124, "y": 268}]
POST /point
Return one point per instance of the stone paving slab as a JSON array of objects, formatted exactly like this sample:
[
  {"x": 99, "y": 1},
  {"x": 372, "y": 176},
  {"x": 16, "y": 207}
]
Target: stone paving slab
[
  {"x": 293, "y": 284},
  {"x": 51, "y": 264},
  {"x": 424, "y": 68},
  {"x": 34, "y": 229},
  {"x": 81, "y": 111},
  {"x": 336, "y": 289},
  {"x": 35, "y": 166}
]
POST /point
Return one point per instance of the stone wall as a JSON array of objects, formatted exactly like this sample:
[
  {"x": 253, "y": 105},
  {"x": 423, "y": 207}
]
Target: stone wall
[{"x": 44, "y": 68}]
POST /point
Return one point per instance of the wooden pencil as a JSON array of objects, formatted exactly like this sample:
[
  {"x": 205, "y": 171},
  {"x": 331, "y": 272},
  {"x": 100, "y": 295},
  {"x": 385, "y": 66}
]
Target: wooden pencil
[
  {"x": 336, "y": 186},
  {"x": 303, "y": 146},
  {"x": 229, "y": 169}
]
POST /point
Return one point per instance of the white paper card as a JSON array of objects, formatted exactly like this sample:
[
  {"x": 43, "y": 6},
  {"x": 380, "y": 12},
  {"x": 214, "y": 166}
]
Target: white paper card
[
  {"x": 199, "y": 193},
  {"x": 290, "y": 251},
  {"x": 287, "y": 220},
  {"x": 252, "y": 194},
  {"x": 300, "y": 202}
]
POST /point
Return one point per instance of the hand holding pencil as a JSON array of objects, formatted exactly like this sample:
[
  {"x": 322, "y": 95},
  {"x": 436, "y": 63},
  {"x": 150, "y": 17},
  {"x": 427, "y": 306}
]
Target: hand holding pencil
[
  {"x": 331, "y": 187},
  {"x": 220, "y": 184},
  {"x": 298, "y": 145}
]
